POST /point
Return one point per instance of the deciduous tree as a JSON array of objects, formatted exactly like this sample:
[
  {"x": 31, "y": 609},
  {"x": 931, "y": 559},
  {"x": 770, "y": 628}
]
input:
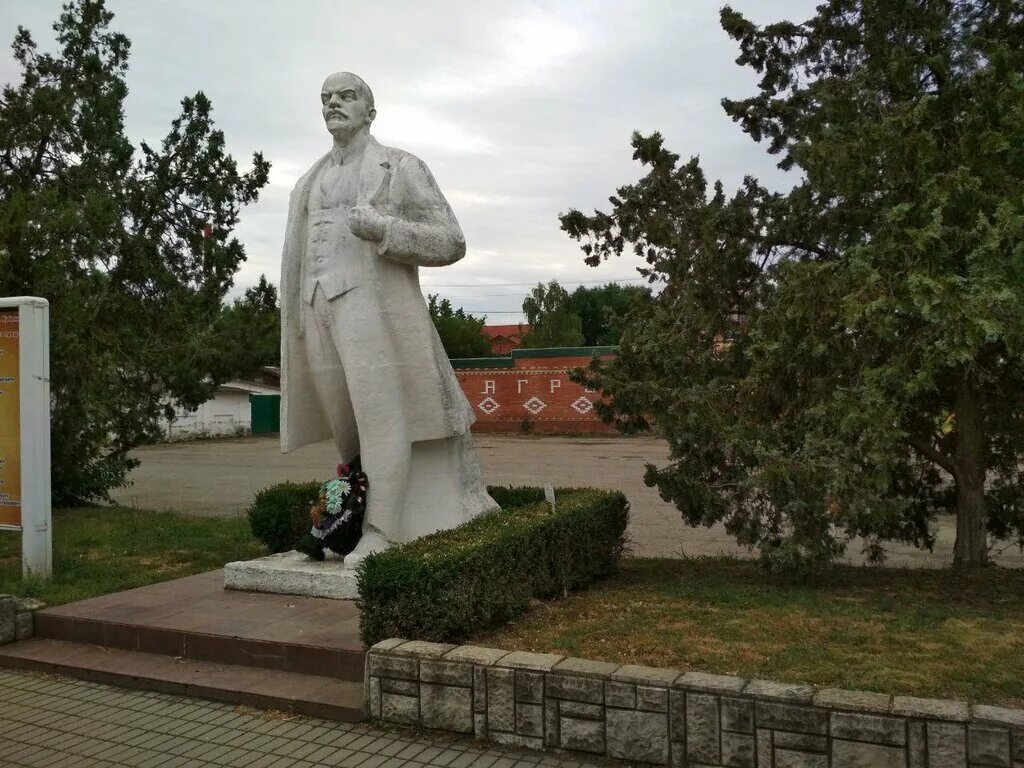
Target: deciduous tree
[
  {"x": 602, "y": 310},
  {"x": 249, "y": 332},
  {"x": 461, "y": 334},
  {"x": 551, "y": 318}
]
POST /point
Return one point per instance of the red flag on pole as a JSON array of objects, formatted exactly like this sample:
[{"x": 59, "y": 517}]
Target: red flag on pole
[{"x": 208, "y": 231}]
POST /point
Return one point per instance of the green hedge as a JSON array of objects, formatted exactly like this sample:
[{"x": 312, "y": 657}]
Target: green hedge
[
  {"x": 279, "y": 515},
  {"x": 448, "y": 585}
]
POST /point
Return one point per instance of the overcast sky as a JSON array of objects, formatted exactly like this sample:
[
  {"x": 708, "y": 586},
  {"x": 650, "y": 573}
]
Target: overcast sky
[{"x": 521, "y": 110}]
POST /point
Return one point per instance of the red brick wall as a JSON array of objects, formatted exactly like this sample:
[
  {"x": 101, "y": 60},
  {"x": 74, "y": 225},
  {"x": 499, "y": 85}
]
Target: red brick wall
[{"x": 536, "y": 391}]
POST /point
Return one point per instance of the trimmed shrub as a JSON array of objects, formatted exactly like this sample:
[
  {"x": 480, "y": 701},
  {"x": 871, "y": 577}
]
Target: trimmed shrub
[
  {"x": 446, "y": 586},
  {"x": 279, "y": 515}
]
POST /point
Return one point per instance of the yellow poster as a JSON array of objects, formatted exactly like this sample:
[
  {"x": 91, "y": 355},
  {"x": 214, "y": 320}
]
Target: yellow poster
[{"x": 10, "y": 420}]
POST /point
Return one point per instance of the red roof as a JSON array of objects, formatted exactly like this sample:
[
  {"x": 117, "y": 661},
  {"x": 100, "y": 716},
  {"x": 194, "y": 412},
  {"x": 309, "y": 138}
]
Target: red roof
[{"x": 508, "y": 331}]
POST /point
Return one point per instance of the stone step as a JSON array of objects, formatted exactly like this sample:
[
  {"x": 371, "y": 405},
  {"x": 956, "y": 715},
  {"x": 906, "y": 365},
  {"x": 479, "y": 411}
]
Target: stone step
[
  {"x": 219, "y": 643},
  {"x": 313, "y": 695}
]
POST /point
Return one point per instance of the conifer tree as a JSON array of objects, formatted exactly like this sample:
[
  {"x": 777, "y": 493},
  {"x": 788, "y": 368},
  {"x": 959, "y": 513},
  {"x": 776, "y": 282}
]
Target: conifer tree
[
  {"x": 846, "y": 358},
  {"x": 131, "y": 246}
]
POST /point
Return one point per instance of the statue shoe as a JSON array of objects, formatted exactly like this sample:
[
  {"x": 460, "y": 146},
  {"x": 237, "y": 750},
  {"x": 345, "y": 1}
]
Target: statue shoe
[{"x": 368, "y": 544}]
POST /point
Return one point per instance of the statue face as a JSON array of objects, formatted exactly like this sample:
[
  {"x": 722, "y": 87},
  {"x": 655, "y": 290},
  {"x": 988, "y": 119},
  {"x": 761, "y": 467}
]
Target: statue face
[{"x": 345, "y": 109}]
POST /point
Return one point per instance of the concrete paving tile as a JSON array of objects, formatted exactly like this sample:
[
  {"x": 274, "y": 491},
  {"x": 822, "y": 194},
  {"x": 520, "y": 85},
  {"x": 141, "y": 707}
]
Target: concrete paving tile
[
  {"x": 159, "y": 742},
  {"x": 463, "y": 760},
  {"x": 246, "y": 758},
  {"x": 355, "y": 760},
  {"x": 215, "y": 753},
  {"x": 176, "y": 761},
  {"x": 22, "y": 732},
  {"x": 388, "y": 747},
  {"x": 362, "y": 742},
  {"x": 304, "y": 750},
  {"x": 78, "y": 761},
  {"x": 197, "y": 752},
  {"x": 264, "y": 761},
  {"x": 279, "y": 745},
  {"x": 134, "y": 759},
  {"x": 149, "y": 760},
  {"x": 54, "y": 759},
  {"x": 230, "y": 755},
  {"x": 446, "y": 758},
  {"x": 411, "y": 751},
  {"x": 335, "y": 738},
  {"x": 428, "y": 754},
  {"x": 14, "y": 754},
  {"x": 95, "y": 749},
  {"x": 322, "y": 753}
]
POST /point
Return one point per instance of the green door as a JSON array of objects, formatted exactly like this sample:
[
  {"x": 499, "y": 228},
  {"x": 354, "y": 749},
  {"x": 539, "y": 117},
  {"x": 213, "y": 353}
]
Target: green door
[{"x": 266, "y": 413}]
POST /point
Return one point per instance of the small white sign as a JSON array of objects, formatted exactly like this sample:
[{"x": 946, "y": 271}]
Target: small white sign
[{"x": 549, "y": 496}]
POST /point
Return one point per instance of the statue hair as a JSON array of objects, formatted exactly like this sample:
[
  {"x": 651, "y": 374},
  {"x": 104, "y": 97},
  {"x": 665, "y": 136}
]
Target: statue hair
[{"x": 364, "y": 89}]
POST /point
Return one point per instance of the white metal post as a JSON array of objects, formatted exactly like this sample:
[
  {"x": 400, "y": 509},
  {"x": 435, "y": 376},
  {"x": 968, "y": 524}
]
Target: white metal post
[{"x": 34, "y": 391}]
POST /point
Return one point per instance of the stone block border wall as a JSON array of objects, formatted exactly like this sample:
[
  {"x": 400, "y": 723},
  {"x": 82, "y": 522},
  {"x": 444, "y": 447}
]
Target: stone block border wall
[
  {"x": 16, "y": 620},
  {"x": 686, "y": 720}
]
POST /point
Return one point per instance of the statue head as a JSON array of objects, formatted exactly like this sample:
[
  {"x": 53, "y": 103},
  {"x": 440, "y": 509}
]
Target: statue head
[{"x": 347, "y": 105}]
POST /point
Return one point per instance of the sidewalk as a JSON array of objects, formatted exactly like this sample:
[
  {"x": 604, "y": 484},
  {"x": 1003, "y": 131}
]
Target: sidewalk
[{"x": 61, "y": 723}]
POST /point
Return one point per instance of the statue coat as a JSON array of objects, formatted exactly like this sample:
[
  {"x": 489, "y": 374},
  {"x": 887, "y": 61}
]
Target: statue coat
[{"x": 423, "y": 232}]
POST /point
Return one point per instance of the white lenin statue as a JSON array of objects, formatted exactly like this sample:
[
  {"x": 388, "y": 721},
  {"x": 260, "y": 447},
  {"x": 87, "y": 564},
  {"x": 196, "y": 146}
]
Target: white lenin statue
[{"x": 361, "y": 360}]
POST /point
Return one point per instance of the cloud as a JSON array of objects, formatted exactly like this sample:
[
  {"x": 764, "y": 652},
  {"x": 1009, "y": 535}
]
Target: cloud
[
  {"x": 521, "y": 110},
  {"x": 525, "y": 49},
  {"x": 417, "y": 127}
]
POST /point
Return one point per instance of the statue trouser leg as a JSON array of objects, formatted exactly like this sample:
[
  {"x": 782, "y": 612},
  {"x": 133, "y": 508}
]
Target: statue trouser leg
[
  {"x": 360, "y": 337},
  {"x": 329, "y": 378}
]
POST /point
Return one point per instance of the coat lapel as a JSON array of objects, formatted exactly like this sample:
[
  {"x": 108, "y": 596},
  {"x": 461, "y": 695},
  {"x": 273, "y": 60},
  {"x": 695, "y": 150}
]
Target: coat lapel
[{"x": 374, "y": 174}]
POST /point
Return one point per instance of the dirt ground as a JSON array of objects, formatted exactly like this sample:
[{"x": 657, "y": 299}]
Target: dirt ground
[{"x": 220, "y": 477}]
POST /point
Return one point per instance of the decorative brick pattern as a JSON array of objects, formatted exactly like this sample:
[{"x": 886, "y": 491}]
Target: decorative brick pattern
[
  {"x": 530, "y": 389},
  {"x": 664, "y": 717}
]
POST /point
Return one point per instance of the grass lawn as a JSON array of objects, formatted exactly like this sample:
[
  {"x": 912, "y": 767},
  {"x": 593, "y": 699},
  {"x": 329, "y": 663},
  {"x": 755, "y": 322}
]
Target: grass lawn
[
  {"x": 916, "y": 632},
  {"x": 97, "y": 550}
]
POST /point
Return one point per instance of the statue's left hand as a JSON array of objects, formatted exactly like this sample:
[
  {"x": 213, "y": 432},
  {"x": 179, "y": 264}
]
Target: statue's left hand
[{"x": 366, "y": 223}]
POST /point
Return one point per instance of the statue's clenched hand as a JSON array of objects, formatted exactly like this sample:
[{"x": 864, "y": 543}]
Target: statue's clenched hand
[{"x": 367, "y": 223}]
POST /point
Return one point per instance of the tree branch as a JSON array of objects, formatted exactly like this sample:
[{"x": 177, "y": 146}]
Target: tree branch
[
  {"x": 809, "y": 247},
  {"x": 933, "y": 455}
]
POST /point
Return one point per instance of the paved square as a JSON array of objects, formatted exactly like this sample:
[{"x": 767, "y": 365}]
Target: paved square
[{"x": 64, "y": 723}]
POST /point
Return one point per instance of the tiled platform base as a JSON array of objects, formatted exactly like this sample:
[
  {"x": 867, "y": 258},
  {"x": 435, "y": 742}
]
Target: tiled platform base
[
  {"x": 195, "y": 636},
  {"x": 293, "y": 573}
]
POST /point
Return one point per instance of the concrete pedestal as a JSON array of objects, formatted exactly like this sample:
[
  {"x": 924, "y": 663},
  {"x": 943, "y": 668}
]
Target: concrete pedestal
[{"x": 293, "y": 573}]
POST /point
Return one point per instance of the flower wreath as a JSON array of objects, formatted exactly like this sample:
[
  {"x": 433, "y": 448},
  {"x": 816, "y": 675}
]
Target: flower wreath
[{"x": 337, "y": 514}]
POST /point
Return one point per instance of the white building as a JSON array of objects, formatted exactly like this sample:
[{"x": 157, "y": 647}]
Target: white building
[{"x": 226, "y": 414}]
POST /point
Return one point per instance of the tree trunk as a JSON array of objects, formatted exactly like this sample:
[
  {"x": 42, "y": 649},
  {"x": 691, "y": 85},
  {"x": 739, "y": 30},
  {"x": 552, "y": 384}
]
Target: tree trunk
[{"x": 971, "y": 548}]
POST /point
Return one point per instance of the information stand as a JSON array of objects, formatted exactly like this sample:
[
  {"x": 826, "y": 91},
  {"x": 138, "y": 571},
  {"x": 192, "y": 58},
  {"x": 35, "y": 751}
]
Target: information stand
[{"x": 25, "y": 429}]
